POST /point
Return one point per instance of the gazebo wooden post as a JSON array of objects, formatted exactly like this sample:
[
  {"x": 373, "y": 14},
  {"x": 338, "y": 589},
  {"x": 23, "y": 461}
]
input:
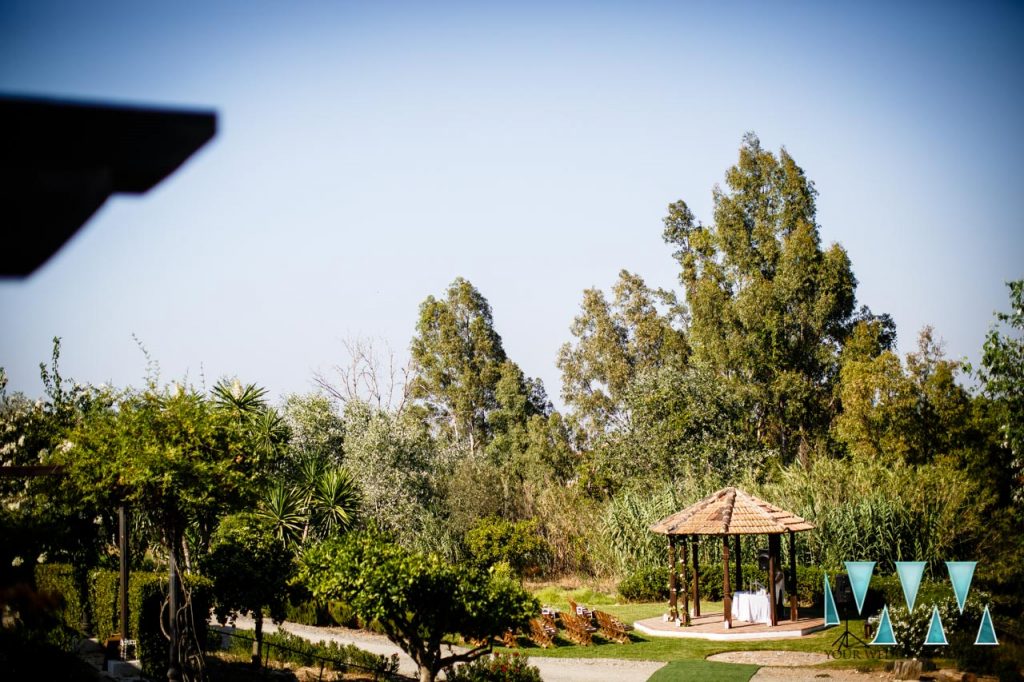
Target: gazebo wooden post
[
  {"x": 726, "y": 592},
  {"x": 686, "y": 589},
  {"x": 773, "y": 565},
  {"x": 696, "y": 580},
  {"x": 739, "y": 562},
  {"x": 673, "y": 612},
  {"x": 792, "y": 577}
]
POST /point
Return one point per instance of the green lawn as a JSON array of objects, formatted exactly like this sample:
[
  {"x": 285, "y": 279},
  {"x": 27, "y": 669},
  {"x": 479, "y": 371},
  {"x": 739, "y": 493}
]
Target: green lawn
[
  {"x": 672, "y": 649},
  {"x": 704, "y": 670}
]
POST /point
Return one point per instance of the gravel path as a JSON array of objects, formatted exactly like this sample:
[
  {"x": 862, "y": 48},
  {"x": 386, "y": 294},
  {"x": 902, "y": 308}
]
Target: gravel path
[
  {"x": 793, "y": 666},
  {"x": 777, "y": 666},
  {"x": 551, "y": 669}
]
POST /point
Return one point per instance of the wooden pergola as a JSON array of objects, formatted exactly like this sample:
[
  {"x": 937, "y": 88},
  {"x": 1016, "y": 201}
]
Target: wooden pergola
[{"x": 729, "y": 512}]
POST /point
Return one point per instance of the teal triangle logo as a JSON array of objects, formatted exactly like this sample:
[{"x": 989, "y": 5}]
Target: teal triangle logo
[
  {"x": 960, "y": 574},
  {"x": 831, "y": 612},
  {"x": 860, "y": 578},
  {"x": 986, "y": 631},
  {"x": 885, "y": 636},
  {"x": 936, "y": 635},
  {"x": 910, "y": 573}
]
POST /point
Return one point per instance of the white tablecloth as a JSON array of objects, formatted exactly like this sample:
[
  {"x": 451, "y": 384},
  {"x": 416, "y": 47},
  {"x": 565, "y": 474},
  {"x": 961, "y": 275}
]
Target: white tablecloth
[{"x": 752, "y": 607}]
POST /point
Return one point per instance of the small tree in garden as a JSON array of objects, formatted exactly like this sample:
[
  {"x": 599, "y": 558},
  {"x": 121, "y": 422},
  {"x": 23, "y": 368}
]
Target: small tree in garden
[
  {"x": 174, "y": 456},
  {"x": 419, "y": 600},
  {"x": 250, "y": 569}
]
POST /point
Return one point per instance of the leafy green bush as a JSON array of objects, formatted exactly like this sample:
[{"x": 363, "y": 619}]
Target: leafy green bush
[
  {"x": 66, "y": 583},
  {"x": 646, "y": 584},
  {"x": 911, "y": 630},
  {"x": 810, "y": 585},
  {"x": 518, "y": 544},
  {"x": 342, "y": 614},
  {"x": 311, "y": 612},
  {"x": 306, "y": 612},
  {"x": 496, "y": 668}
]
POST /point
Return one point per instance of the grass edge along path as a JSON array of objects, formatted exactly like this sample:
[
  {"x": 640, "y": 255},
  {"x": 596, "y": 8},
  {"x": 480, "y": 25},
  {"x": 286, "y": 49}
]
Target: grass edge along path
[{"x": 704, "y": 670}]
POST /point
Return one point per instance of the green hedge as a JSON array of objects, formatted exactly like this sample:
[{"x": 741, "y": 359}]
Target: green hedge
[
  {"x": 104, "y": 603},
  {"x": 146, "y": 594},
  {"x": 63, "y": 581}
]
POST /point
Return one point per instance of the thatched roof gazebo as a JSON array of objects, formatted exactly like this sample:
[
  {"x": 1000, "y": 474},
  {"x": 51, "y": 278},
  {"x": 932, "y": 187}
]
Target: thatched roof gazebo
[{"x": 730, "y": 511}]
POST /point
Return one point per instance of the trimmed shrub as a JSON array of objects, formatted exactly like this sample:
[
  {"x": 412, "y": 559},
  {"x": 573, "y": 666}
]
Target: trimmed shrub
[
  {"x": 105, "y": 602},
  {"x": 496, "y": 668},
  {"x": 65, "y": 583}
]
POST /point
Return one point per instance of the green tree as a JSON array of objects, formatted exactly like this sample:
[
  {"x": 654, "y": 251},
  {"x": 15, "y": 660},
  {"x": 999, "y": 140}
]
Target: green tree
[
  {"x": 419, "y": 600},
  {"x": 396, "y": 465},
  {"x": 250, "y": 569},
  {"x": 913, "y": 411},
  {"x": 529, "y": 444},
  {"x": 639, "y": 330},
  {"x": 770, "y": 308},
  {"x": 686, "y": 424},
  {"x": 1002, "y": 377},
  {"x": 317, "y": 430},
  {"x": 176, "y": 457},
  {"x": 457, "y": 357},
  {"x": 39, "y": 519}
]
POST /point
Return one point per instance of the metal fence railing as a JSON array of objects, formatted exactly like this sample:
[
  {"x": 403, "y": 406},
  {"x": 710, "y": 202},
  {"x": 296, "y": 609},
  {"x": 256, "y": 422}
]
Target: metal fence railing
[{"x": 339, "y": 665}]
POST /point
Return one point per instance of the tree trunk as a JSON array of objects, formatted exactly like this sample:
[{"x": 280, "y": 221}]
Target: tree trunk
[
  {"x": 257, "y": 640},
  {"x": 426, "y": 674},
  {"x": 174, "y": 605}
]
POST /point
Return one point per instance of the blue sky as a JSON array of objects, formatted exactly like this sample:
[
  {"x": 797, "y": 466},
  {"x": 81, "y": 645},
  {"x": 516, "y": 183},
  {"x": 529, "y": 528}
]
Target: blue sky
[{"x": 369, "y": 153}]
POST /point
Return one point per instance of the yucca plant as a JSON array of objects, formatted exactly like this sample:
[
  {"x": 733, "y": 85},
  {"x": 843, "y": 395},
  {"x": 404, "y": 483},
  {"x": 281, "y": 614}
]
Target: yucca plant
[
  {"x": 335, "y": 502},
  {"x": 285, "y": 508}
]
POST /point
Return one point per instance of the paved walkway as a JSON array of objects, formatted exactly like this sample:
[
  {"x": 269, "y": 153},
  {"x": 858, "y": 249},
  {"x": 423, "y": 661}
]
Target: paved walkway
[{"x": 551, "y": 669}]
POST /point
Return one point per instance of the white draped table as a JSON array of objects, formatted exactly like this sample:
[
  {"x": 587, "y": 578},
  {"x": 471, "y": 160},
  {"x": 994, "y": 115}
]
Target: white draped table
[{"x": 752, "y": 607}]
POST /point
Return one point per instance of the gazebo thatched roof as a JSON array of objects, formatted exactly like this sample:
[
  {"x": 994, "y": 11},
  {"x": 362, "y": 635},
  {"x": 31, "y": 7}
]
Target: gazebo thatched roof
[{"x": 730, "y": 511}]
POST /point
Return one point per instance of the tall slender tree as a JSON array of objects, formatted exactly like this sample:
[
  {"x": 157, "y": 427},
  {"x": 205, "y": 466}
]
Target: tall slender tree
[
  {"x": 770, "y": 307},
  {"x": 458, "y": 357}
]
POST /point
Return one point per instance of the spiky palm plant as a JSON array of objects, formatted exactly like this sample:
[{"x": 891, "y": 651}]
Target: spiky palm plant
[
  {"x": 285, "y": 508},
  {"x": 335, "y": 502}
]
